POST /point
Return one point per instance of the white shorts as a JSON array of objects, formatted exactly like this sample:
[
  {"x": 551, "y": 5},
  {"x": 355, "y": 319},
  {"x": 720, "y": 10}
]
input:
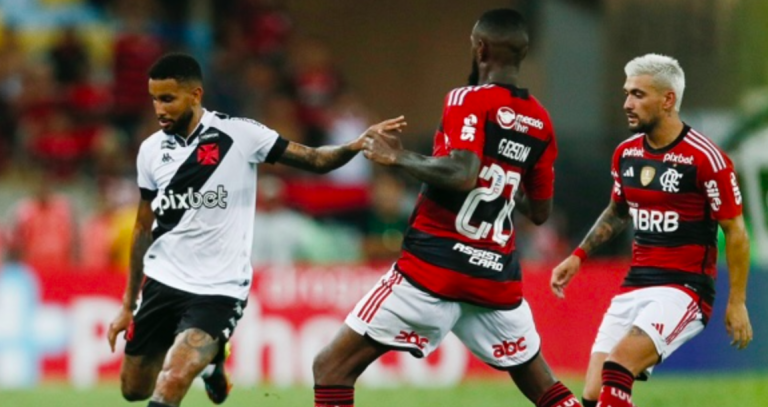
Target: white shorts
[
  {"x": 670, "y": 317},
  {"x": 397, "y": 314}
]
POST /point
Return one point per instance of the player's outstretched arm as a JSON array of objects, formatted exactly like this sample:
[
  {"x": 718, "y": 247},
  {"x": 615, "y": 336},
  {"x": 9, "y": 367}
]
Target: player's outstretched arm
[
  {"x": 327, "y": 158},
  {"x": 737, "y": 255},
  {"x": 457, "y": 171},
  {"x": 611, "y": 222},
  {"x": 142, "y": 239}
]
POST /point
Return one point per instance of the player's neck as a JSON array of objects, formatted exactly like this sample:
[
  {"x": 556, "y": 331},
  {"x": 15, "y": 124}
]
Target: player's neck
[
  {"x": 505, "y": 77},
  {"x": 197, "y": 114},
  {"x": 665, "y": 132}
]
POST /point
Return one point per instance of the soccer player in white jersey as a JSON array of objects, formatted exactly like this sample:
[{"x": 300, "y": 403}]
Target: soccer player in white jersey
[{"x": 190, "y": 253}]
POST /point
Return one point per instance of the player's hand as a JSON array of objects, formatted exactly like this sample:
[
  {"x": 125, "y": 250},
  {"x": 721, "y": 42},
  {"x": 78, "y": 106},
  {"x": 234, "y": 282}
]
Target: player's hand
[
  {"x": 562, "y": 275},
  {"x": 737, "y": 324},
  {"x": 119, "y": 324},
  {"x": 396, "y": 124},
  {"x": 382, "y": 148}
]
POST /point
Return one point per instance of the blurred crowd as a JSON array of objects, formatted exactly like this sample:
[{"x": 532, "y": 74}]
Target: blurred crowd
[{"x": 72, "y": 118}]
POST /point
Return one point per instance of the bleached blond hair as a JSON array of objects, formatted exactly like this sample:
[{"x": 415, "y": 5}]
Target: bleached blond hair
[{"x": 665, "y": 71}]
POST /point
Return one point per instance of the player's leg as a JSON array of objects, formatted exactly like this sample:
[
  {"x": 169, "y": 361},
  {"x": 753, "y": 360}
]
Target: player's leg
[
  {"x": 594, "y": 379},
  {"x": 192, "y": 351},
  {"x": 536, "y": 381},
  {"x": 138, "y": 375},
  {"x": 345, "y": 358},
  {"x": 393, "y": 315},
  {"x": 148, "y": 338},
  {"x": 507, "y": 340},
  {"x": 615, "y": 324},
  {"x": 666, "y": 318},
  {"x": 202, "y": 333}
]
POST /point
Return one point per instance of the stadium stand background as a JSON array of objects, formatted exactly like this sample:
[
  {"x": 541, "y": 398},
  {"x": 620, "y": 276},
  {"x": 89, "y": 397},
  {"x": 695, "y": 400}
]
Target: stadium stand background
[{"x": 73, "y": 110}]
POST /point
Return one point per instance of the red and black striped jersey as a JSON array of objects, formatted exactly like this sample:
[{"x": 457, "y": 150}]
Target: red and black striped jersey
[
  {"x": 675, "y": 196},
  {"x": 461, "y": 245}
]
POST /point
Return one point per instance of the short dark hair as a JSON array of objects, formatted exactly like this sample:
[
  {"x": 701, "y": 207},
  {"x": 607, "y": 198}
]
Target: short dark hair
[
  {"x": 178, "y": 66},
  {"x": 502, "y": 22}
]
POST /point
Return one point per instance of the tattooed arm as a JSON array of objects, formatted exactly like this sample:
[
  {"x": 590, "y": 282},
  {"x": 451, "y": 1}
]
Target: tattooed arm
[
  {"x": 328, "y": 158},
  {"x": 321, "y": 159},
  {"x": 142, "y": 239},
  {"x": 611, "y": 222}
]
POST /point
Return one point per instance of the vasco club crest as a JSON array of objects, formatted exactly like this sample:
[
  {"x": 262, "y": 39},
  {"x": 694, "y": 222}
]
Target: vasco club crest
[{"x": 208, "y": 154}]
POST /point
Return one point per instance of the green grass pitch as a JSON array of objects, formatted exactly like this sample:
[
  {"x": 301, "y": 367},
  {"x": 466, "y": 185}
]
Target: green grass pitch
[{"x": 663, "y": 391}]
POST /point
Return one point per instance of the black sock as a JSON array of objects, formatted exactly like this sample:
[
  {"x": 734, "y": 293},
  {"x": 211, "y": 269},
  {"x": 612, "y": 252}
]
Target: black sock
[
  {"x": 158, "y": 404},
  {"x": 588, "y": 403}
]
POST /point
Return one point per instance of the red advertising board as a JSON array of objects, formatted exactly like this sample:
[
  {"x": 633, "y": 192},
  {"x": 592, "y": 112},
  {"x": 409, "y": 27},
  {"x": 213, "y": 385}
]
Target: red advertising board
[{"x": 291, "y": 314}]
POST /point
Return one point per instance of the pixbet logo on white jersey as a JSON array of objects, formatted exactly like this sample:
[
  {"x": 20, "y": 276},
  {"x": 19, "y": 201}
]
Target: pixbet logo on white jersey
[{"x": 193, "y": 200}]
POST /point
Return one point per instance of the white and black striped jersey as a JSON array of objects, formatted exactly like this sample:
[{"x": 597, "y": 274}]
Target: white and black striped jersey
[{"x": 203, "y": 194}]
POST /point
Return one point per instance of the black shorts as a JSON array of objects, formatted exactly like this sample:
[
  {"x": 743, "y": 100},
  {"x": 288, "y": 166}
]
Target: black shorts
[{"x": 164, "y": 312}]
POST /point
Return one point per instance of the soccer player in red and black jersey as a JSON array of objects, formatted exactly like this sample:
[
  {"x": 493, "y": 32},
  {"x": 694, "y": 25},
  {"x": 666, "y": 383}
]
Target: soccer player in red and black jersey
[
  {"x": 675, "y": 186},
  {"x": 459, "y": 270}
]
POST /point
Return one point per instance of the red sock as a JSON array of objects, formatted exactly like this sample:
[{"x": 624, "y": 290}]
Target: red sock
[
  {"x": 558, "y": 396},
  {"x": 334, "y": 396},
  {"x": 617, "y": 386}
]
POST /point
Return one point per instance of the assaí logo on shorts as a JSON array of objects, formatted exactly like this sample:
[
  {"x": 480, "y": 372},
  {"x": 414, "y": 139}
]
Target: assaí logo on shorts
[
  {"x": 192, "y": 199},
  {"x": 509, "y": 120},
  {"x": 509, "y": 348}
]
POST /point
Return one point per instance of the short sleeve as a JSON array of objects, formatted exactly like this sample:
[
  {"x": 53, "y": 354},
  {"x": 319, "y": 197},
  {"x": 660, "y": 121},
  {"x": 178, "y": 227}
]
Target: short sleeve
[
  {"x": 144, "y": 178},
  {"x": 721, "y": 185},
  {"x": 617, "y": 193},
  {"x": 464, "y": 121},
  {"x": 539, "y": 182},
  {"x": 257, "y": 141}
]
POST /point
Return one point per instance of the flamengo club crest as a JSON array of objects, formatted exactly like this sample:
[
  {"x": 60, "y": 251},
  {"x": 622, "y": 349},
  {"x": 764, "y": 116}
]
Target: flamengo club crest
[
  {"x": 646, "y": 175},
  {"x": 670, "y": 180}
]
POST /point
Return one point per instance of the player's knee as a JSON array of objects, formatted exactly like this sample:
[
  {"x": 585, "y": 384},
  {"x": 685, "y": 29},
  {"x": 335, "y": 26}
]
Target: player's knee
[
  {"x": 135, "y": 390},
  {"x": 319, "y": 367},
  {"x": 175, "y": 378},
  {"x": 134, "y": 393}
]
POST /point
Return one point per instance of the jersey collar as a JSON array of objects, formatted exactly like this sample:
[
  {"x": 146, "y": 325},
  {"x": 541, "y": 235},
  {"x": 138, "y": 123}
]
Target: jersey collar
[
  {"x": 678, "y": 139},
  {"x": 521, "y": 93},
  {"x": 205, "y": 122}
]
